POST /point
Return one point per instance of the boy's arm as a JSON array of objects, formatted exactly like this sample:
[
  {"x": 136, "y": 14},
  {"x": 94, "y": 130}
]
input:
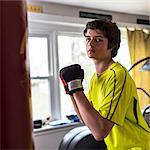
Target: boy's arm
[
  {"x": 72, "y": 77},
  {"x": 99, "y": 126},
  {"x": 76, "y": 108}
]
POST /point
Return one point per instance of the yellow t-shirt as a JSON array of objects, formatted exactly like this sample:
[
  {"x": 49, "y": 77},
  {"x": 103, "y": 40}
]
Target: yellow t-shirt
[{"x": 113, "y": 94}]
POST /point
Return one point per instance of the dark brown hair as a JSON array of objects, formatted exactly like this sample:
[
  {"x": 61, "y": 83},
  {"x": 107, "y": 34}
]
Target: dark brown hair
[{"x": 110, "y": 30}]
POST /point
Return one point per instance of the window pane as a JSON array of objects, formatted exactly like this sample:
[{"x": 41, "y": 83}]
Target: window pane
[
  {"x": 38, "y": 56},
  {"x": 123, "y": 55},
  {"x": 40, "y": 98},
  {"x": 71, "y": 50}
]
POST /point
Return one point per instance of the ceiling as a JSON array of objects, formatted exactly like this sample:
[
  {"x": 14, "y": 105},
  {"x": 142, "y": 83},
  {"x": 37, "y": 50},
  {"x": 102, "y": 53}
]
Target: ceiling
[{"x": 139, "y": 7}]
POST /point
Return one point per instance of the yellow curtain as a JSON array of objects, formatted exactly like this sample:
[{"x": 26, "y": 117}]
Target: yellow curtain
[{"x": 139, "y": 47}]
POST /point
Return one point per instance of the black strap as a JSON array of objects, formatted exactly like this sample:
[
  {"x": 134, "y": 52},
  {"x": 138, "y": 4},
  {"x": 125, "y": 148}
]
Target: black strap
[{"x": 135, "y": 110}]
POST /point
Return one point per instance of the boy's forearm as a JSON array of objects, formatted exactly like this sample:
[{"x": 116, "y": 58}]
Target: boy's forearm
[{"x": 76, "y": 108}]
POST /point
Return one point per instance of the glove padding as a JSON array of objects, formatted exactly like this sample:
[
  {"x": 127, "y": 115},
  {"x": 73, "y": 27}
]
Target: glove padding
[{"x": 72, "y": 77}]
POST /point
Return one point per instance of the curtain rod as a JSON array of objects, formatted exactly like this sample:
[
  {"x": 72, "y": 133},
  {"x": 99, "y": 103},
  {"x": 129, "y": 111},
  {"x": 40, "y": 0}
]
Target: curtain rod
[{"x": 133, "y": 25}]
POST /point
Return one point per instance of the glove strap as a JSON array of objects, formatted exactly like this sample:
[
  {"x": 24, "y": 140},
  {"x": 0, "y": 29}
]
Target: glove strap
[{"x": 75, "y": 84}]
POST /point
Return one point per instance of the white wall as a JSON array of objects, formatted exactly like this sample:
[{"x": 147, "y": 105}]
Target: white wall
[
  {"x": 49, "y": 139},
  {"x": 64, "y": 10}
]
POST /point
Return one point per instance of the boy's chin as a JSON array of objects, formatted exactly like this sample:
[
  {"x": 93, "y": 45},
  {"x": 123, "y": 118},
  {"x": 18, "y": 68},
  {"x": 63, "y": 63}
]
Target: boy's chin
[{"x": 92, "y": 57}]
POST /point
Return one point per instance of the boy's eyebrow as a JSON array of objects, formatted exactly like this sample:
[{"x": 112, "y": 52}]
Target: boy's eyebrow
[{"x": 95, "y": 36}]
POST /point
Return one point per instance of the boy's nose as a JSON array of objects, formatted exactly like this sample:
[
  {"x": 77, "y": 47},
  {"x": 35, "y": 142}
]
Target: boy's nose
[{"x": 92, "y": 42}]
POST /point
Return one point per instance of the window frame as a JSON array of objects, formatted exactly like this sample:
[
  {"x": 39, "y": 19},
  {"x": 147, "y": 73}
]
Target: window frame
[
  {"x": 52, "y": 26},
  {"x": 52, "y": 77}
]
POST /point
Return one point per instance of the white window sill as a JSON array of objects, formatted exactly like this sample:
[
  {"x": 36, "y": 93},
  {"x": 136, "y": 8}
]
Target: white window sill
[{"x": 51, "y": 128}]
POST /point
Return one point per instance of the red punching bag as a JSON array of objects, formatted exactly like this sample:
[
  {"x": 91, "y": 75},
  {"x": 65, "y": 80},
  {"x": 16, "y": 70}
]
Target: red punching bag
[{"x": 16, "y": 121}]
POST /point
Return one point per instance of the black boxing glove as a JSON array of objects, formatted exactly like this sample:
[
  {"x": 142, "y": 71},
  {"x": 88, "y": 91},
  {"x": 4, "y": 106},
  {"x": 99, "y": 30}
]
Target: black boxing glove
[{"x": 72, "y": 77}]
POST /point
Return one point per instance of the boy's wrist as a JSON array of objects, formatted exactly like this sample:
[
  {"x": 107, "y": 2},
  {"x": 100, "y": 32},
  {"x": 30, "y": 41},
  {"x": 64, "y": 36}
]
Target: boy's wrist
[{"x": 78, "y": 93}]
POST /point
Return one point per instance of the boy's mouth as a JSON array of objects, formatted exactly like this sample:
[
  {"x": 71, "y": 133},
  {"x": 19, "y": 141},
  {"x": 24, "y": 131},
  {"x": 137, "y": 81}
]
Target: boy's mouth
[{"x": 91, "y": 50}]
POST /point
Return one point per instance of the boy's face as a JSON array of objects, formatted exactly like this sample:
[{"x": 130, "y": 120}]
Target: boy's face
[{"x": 97, "y": 45}]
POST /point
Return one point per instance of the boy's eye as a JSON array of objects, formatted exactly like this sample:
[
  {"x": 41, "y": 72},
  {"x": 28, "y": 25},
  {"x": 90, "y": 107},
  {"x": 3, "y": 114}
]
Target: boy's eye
[
  {"x": 95, "y": 39},
  {"x": 88, "y": 39},
  {"x": 98, "y": 39}
]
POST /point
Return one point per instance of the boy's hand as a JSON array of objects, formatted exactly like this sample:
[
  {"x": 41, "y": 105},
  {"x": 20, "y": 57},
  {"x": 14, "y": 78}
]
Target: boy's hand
[{"x": 72, "y": 77}]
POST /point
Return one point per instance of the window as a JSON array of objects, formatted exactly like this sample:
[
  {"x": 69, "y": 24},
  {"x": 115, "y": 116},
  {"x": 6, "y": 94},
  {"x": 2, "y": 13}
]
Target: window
[
  {"x": 51, "y": 47},
  {"x": 71, "y": 50},
  {"x": 123, "y": 55},
  {"x": 39, "y": 73}
]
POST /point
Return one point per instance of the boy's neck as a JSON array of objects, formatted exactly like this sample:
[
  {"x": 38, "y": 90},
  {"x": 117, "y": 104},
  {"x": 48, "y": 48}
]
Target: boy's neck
[{"x": 102, "y": 66}]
